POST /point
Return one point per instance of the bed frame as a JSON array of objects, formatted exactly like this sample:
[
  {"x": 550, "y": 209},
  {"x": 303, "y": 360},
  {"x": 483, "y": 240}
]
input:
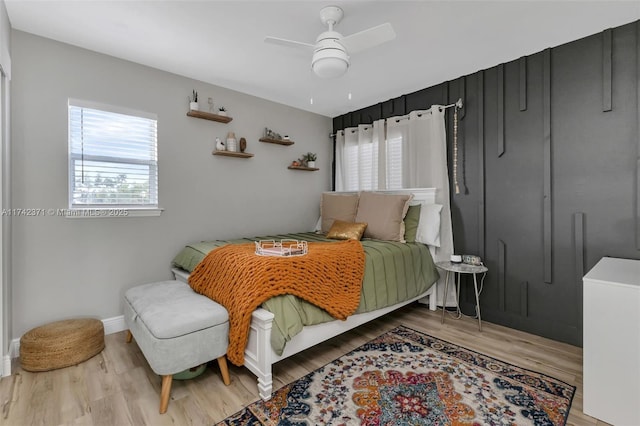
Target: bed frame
[{"x": 259, "y": 356}]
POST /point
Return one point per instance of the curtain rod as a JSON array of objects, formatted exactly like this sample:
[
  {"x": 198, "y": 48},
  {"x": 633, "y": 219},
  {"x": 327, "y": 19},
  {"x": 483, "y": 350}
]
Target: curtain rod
[{"x": 458, "y": 105}]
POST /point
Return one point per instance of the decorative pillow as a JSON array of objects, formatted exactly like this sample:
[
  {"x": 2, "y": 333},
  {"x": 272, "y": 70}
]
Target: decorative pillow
[
  {"x": 411, "y": 221},
  {"x": 384, "y": 214},
  {"x": 429, "y": 225},
  {"x": 337, "y": 207},
  {"x": 341, "y": 230}
]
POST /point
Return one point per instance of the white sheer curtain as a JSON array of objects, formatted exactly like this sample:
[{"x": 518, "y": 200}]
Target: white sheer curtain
[
  {"x": 421, "y": 137},
  {"x": 360, "y": 158}
]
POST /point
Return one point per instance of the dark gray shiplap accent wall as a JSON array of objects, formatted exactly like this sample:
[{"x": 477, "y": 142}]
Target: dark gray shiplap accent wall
[
  {"x": 500, "y": 110},
  {"x": 547, "y": 217},
  {"x": 524, "y": 299},
  {"x": 566, "y": 190},
  {"x": 463, "y": 91},
  {"x": 607, "y": 75},
  {"x": 578, "y": 248},
  {"x": 523, "y": 83},
  {"x": 502, "y": 273},
  {"x": 638, "y": 135},
  {"x": 481, "y": 178}
]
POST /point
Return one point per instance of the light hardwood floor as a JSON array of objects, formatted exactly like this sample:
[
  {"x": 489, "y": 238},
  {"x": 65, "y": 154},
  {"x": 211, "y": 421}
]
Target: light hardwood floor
[{"x": 117, "y": 387}]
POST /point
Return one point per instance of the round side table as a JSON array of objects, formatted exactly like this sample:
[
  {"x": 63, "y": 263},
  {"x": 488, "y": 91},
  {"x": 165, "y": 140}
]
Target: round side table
[{"x": 462, "y": 268}]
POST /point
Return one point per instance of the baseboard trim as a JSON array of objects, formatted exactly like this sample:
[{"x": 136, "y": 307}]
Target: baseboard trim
[
  {"x": 114, "y": 325},
  {"x": 111, "y": 325}
]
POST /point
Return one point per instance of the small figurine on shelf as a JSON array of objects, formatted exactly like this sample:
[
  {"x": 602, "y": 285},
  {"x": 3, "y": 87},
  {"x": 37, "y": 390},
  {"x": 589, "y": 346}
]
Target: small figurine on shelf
[
  {"x": 270, "y": 134},
  {"x": 242, "y": 144},
  {"x": 193, "y": 101},
  {"x": 222, "y": 111},
  {"x": 295, "y": 163},
  {"x": 220, "y": 145}
]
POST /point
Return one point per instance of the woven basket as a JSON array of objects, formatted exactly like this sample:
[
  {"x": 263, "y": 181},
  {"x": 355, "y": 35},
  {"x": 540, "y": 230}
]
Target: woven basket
[{"x": 61, "y": 344}]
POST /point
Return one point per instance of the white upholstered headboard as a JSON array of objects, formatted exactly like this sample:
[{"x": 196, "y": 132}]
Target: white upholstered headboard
[{"x": 420, "y": 195}]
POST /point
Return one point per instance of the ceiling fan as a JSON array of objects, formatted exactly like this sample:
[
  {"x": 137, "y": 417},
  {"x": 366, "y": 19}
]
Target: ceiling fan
[{"x": 331, "y": 52}]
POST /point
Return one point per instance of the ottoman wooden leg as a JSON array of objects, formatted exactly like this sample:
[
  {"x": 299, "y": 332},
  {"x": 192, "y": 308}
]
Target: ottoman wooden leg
[
  {"x": 165, "y": 392},
  {"x": 129, "y": 336},
  {"x": 222, "y": 363}
]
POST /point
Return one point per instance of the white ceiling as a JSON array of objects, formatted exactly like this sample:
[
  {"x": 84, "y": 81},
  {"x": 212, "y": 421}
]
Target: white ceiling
[{"x": 222, "y": 42}]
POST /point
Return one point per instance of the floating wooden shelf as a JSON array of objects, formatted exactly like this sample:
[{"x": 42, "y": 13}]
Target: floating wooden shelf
[
  {"x": 277, "y": 141},
  {"x": 308, "y": 169},
  {"x": 209, "y": 116},
  {"x": 233, "y": 154}
]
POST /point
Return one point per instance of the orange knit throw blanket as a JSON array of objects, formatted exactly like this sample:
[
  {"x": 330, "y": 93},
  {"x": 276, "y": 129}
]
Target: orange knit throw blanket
[{"x": 329, "y": 276}]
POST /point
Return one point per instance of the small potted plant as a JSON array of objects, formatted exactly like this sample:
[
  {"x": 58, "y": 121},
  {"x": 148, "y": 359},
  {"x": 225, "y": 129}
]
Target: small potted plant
[
  {"x": 310, "y": 159},
  {"x": 193, "y": 101},
  {"x": 222, "y": 111}
]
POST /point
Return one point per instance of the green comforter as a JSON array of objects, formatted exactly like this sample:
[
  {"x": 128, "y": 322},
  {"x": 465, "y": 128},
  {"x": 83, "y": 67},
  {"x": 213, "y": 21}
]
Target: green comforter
[{"x": 394, "y": 272}]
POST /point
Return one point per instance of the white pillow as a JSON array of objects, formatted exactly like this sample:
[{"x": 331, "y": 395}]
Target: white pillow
[{"x": 429, "y": 225}]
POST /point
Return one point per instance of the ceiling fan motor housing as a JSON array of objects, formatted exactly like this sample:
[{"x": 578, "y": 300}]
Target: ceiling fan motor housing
[{"x": 330, "y": 57}]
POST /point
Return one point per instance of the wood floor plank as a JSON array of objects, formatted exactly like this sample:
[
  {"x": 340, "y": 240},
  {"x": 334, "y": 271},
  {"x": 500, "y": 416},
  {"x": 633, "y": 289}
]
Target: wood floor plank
[
  {"x": 71, "y": 393},
  {"x": 111, "y": 410},
  {"x": 117, "y": 387}
]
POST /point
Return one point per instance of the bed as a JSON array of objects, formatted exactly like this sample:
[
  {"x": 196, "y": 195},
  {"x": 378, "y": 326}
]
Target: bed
[{"x": 275, "y": 335}]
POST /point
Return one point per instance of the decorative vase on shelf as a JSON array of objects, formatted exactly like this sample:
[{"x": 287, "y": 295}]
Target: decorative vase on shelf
[
  {"x": 311, "y": 164},
  {"x": 232, "y": 143},
  {"x": 243, "y": 144},
  {"x": 222, "y": 113},
  {"x": 193, "y": 106}
]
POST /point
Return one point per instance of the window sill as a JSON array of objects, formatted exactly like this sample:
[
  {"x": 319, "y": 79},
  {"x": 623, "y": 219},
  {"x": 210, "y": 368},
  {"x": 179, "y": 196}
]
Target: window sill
[{"x": 111, "y": 213}]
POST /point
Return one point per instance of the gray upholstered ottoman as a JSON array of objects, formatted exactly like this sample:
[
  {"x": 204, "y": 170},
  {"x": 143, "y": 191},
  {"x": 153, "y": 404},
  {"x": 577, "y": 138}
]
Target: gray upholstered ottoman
[{"x": 176, "y": 329}]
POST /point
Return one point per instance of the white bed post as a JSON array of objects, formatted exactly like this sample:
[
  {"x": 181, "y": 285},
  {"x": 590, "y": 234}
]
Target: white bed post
[
  {"x": 432, "y": 299},
  {"x": 258, "y": 353}
]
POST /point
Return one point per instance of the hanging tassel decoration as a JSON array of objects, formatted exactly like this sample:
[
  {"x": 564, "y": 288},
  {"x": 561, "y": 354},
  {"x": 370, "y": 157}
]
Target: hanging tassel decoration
[{"x": 455, "y": 150}]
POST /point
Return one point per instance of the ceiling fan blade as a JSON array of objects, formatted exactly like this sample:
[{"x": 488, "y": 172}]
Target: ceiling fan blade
[
  {"x": 368, "y": 38},
  {"x": 289, "y": 43}
]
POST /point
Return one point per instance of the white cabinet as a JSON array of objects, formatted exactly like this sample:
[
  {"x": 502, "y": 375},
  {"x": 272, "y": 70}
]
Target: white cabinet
[{"x": 611, "y": 353}]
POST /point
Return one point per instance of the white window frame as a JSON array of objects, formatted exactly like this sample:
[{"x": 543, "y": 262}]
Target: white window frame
[{"x": 76, "y": 211}]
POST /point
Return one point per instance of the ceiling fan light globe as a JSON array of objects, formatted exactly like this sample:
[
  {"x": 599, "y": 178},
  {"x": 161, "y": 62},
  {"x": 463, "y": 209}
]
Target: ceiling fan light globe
[{"x": 330, "y": 63}]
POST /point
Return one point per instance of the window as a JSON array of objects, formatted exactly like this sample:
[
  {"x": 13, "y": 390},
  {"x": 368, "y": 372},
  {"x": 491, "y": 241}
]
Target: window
[
  {"x": 394, "y": 162},
  {"x": 360, "y": 156},
  {"x": 369, "y": 159},
  {"x": 113, "y": 161},
  {"x": 411, "y": 152}
]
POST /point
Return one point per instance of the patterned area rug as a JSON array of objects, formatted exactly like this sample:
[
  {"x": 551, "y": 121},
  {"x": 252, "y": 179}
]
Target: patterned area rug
[{"x": 405, "y": 377}]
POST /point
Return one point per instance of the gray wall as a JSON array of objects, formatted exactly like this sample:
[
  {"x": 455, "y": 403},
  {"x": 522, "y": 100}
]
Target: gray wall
[
  {"x": 550, "y": 158},
  {"x": 73, "y": 267}
]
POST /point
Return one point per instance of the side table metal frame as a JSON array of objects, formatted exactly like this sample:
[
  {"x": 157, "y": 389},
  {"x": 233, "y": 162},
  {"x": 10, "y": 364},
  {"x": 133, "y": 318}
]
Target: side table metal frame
[{"x": 460, "y": 269}]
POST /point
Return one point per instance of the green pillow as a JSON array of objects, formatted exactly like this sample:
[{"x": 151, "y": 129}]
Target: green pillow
[{"x": 411, "y": 223}]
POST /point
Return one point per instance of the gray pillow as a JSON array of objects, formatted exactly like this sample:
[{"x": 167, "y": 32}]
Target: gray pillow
[
  {"x": 337, "y": 207},
  {"x": 383, "y": 214}
]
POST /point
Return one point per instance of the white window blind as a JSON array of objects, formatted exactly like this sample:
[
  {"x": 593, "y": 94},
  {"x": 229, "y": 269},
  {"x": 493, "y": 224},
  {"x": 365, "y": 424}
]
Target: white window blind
[
  {"x": 394, "y": 162},
  {"x": 113, "y": 159}
]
